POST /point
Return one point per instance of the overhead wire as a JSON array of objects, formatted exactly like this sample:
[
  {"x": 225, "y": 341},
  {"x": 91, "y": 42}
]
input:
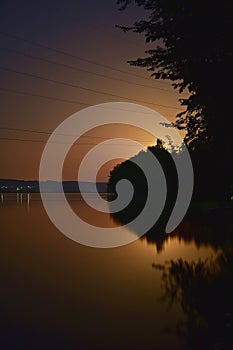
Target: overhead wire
[
  {"x": 59, "y": 134},
  {"x": 75, "y": 143},
  {"x": 104, "y": 106},
  {"x": 82, "y": 87},
  {"x": 82, "y": 70},
  {"x": 71, "y": 55}
]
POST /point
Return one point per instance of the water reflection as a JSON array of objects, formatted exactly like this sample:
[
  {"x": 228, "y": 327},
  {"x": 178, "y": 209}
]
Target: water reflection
[
  {"x": 19, "y": 198},
  {"x": 58, "y": 294},
  {"x": 204, "y": 224},
  {"x": 204, "y": 289}
]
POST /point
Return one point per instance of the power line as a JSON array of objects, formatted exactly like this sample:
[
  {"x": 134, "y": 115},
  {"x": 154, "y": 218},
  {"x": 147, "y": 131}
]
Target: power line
[
  {"x": 82, "y": 87},
  {"x": 67, "y": 143},
  {"x": 31, "y": 42},
  {"x": 18, "y": 139},
  {"x": 81, "y": 70},
  {"x": 43, "y": 96},
  {"x": 74, "y": 102},
  {"x": 50, "y": 133}
]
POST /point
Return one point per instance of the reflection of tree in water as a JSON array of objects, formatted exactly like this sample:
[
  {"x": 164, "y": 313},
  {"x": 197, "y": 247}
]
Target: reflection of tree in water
[
  {"x": 205, "y": 293},
  {"x": 201, "y": 219},
  {"x": 204, "y": 289},
  {"x": 205, "y": 224}
]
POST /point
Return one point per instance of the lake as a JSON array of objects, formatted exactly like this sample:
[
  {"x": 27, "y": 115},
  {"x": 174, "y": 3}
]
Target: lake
[{"x": 58, "y": 294}]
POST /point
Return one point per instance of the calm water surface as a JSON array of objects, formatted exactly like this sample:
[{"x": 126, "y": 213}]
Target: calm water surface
[{"x": 58, "y": 294}]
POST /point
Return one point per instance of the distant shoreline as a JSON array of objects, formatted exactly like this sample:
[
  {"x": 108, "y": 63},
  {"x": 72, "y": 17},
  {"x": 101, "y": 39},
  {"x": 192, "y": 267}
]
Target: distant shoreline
[{"x": 24, "y": 186}]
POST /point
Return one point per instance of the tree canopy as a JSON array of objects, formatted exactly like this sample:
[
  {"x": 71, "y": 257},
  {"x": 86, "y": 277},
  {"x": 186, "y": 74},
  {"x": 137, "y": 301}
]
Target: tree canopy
[
  {"x": 130, "y": 170},
  {"x": 192, "y": 47}
]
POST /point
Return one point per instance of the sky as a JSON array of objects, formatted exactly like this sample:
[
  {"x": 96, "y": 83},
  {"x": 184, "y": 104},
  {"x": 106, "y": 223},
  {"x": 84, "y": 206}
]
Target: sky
[{"x": 59, "y": 57}]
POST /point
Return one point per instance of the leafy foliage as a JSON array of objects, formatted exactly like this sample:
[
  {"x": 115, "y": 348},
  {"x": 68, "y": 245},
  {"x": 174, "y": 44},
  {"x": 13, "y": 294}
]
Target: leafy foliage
[
  {"x": 130, "y": 171},
  {"x": 192, "y": 48}
]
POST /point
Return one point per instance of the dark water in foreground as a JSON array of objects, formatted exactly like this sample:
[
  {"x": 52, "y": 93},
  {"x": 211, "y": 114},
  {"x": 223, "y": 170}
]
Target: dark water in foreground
[{"x": 58, "y": 294}]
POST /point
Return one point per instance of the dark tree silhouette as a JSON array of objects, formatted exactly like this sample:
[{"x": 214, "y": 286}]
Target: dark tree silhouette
[
  {"x": 130, "y": 171},
  {"x": 193, "y": 48}
]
